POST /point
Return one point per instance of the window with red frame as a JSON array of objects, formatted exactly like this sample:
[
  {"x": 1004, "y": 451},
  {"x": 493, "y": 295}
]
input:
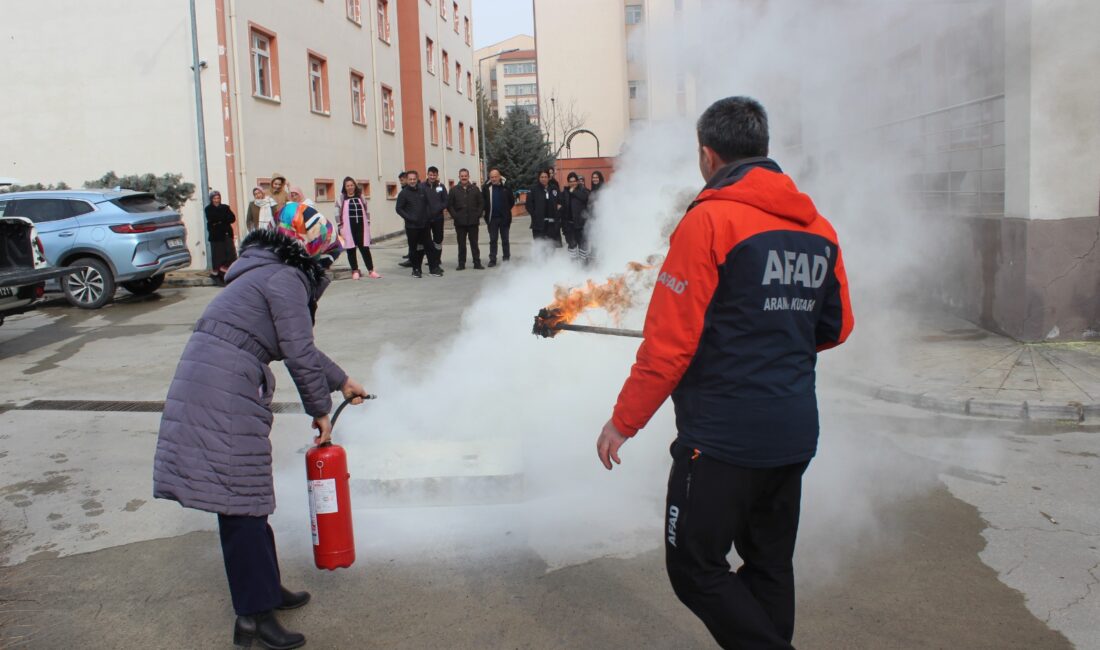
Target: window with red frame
[
  {"x": 318, "y": 84},
  {"x": 429, "y": 53},
  {"x": 433, "y": 121},
  {"x": 358, "y": 98},
  {"x": 384, "y": 20},
  {"x": 446, "y": 68},
  {"x": 389, "y": 111},
  {"x": 461, "y": 137},
  {"x": 450, "y": 132},
  {"x": 353, "y": 10}
]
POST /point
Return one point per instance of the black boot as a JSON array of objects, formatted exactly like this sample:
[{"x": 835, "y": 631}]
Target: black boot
[
  {"x": 266, "y": 629},
  {"x": 293, "y": 599},
  {"x": 478, "y": 266}
]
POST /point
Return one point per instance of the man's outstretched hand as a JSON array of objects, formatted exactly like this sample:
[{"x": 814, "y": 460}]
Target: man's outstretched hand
[{"x": 607, "y": 445}]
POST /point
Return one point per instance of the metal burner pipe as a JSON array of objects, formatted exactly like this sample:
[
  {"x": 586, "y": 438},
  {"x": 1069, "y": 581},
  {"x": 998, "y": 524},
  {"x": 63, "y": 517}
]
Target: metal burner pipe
[{"x": 609, "y": 331}]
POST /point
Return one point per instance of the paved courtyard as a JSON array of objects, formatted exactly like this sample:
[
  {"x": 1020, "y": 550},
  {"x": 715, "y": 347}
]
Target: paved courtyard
[{"x": 920, "y": 529}]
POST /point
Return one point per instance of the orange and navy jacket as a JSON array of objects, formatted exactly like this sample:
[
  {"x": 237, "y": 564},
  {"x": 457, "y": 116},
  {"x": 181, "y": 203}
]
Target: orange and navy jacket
[{"x": 753, "y": 287}]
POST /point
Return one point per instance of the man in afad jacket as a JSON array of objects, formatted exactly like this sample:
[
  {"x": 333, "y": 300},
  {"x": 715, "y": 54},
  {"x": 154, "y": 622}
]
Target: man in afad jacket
[
  {"x": 464, "y": 203},
  {"x": 498, "y": 201},
  {"x": 753, "y": 287}
]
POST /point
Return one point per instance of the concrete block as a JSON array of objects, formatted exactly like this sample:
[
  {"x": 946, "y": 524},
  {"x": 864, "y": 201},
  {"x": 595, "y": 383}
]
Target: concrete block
[
  {"x": 943, "y": 404},
  {"x": 897, "y": 395},
  {"x": 1054, "y": 412},
  {"x": 996, "y": 409}
]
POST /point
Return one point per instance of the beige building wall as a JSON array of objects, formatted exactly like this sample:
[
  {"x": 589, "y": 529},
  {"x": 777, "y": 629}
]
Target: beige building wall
[
  {"x": 447, "y": 95},
  {"x": 123, "y": 102},
  {"x": 568, "y": 47}
]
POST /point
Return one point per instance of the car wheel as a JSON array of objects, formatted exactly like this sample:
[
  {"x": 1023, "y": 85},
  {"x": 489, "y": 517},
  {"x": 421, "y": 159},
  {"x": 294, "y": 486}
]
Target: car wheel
[
  {"x": 144, "y": 287},
  {"x": 92, "y": 286}
]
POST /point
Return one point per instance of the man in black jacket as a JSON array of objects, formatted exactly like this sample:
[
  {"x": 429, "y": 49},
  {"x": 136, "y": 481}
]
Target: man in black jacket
[
  {"x": 465, "y": 204},
  {"x": 413, "y": 207},
  {"x": 542, "y": 205},
  {"x": 497, "y": 202},
  {"x": 437, "y": 205}
]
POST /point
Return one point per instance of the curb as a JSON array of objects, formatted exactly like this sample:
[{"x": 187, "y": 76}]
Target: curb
[{"x": 1070, "y": 412}]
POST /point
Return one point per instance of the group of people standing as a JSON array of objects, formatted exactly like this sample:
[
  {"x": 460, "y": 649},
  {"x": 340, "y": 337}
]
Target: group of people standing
[
  {"x": 353, "y": 222},
  {"x": 424, "y": 205},
  {"x": 556, "y": 212}
]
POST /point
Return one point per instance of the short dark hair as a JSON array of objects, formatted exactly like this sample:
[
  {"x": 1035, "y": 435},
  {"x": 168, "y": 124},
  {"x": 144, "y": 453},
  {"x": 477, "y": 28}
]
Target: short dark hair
[
  {"x": 572, "y": 176},
  {"x": 735, "y": 128},
  {"x": 412, "y": 172},
  {"x": 403, "y": 174},
  {"x": 431, "y": 169},
  {"x": 464, "y": 170}
]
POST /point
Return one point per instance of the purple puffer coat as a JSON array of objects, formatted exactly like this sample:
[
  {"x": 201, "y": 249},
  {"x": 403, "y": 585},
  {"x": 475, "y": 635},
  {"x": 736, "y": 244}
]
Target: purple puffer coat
[{"x": 213, "y": 451}]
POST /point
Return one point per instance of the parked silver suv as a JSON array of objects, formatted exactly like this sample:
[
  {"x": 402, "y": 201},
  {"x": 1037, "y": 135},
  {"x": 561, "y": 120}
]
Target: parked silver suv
[{"x": 119, "y": 237}]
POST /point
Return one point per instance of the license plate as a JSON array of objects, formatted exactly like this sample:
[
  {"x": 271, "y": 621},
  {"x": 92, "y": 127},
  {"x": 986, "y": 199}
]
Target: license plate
[
  {"x": 175, "y": 242},
  {"x": 6, "y": 292}
]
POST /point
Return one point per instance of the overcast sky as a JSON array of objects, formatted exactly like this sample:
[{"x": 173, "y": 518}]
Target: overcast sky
[{"x": 496, "y": 20}]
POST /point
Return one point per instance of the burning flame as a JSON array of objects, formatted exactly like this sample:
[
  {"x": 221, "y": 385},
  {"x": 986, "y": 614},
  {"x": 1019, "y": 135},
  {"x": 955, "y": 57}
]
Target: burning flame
[{"x": 615, "y": 296}]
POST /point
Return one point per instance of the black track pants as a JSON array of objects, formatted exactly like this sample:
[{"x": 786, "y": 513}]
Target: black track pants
[
  {"x": 420, "y": 244},
  {"x": 714, "y": 505}
]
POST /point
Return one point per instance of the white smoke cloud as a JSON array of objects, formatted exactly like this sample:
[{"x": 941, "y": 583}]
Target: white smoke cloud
[{"x": 501, "y": 402}]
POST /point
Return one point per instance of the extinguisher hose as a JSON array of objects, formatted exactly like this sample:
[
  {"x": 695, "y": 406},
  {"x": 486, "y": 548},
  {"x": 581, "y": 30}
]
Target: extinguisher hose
[{"x": 340, "y": 409}]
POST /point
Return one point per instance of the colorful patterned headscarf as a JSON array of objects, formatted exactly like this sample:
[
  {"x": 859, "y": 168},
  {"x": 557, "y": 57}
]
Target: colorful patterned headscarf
[{"x": 311, "y": 229}]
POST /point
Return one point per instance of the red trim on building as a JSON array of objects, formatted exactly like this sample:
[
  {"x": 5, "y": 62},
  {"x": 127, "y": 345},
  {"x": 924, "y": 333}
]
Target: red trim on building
[
  {"x": 412, "y": 84},
  {"x": 227, "y": 119}
]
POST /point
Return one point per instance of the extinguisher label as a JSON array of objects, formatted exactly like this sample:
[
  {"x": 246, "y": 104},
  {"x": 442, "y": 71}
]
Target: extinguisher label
[{"x": 322, "y": 501}]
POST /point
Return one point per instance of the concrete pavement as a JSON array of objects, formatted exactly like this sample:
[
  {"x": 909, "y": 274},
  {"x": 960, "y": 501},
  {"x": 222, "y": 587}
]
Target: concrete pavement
[
  {"x": 944, "y": 364},
  {"x": 920, "y": 530}
]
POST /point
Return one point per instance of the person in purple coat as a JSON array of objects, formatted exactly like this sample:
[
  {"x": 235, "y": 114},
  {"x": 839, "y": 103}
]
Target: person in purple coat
[{"x": 214, "y": 448}]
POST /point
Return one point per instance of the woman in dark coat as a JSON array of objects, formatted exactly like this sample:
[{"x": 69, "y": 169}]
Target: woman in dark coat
[
  {"x": 213, "y": 451},
  {"x": 574, "y": 211},
  {"x": 219, "y": 231}
]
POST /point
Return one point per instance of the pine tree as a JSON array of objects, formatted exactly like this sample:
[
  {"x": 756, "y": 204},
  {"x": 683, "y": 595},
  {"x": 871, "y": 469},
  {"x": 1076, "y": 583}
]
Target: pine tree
[{"x": 519, "y": 151}]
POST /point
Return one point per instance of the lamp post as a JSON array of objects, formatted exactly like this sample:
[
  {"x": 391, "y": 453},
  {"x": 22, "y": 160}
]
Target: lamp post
[
  {"x": 481, "y": 112},
  {"x": 196, "y": 73}
]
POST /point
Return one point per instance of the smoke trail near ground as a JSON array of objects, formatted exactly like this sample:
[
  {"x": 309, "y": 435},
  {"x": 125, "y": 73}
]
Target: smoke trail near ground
[{"x": 497, "y": 402}]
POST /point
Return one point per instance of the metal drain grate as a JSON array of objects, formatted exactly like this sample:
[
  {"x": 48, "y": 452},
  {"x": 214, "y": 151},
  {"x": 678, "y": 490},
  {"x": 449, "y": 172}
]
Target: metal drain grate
[{"x": 114, "y": 406}]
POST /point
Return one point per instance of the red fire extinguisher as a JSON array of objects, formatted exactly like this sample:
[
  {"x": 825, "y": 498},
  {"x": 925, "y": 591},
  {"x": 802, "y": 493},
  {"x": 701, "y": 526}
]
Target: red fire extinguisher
[{"x": 330, "y": 503}]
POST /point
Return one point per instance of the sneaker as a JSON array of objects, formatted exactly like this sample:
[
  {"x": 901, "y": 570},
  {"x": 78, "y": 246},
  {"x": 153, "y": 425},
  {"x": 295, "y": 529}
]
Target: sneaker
[
  {"x": 492, "y": 263},
  {"x": 355, "y": 275},
  {"x": 406, "y": 264},
  {"x": 437, "y": 272},
  {"x": 478, "y": 266},
  {"x": 460, "y": 267},
  {"x": 417, "y": 273},
  {"x": 374, "y": 275}
]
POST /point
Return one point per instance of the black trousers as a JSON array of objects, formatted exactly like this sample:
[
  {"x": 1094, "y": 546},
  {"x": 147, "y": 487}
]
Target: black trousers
[
  {"x": 713, "y": 505},
  {"x": 420, "y": 243},
  {"x": 357, "y": 235},
  {"x": 248, "y": 547},
  {"x": 435, "y": 256},
  {"x": 471, "y": 233},
  {"x": 499, "y": 228},
  {"x": 570, "y": 232}
]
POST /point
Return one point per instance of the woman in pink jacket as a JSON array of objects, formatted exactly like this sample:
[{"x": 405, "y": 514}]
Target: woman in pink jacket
[{"x": 354, "y": 219}]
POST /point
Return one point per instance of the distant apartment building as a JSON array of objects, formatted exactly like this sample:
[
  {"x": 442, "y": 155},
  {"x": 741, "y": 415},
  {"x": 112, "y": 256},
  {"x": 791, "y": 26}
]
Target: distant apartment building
[
  {"x": 313, "y": 89},
  {"x": 509, "y": 76}
]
